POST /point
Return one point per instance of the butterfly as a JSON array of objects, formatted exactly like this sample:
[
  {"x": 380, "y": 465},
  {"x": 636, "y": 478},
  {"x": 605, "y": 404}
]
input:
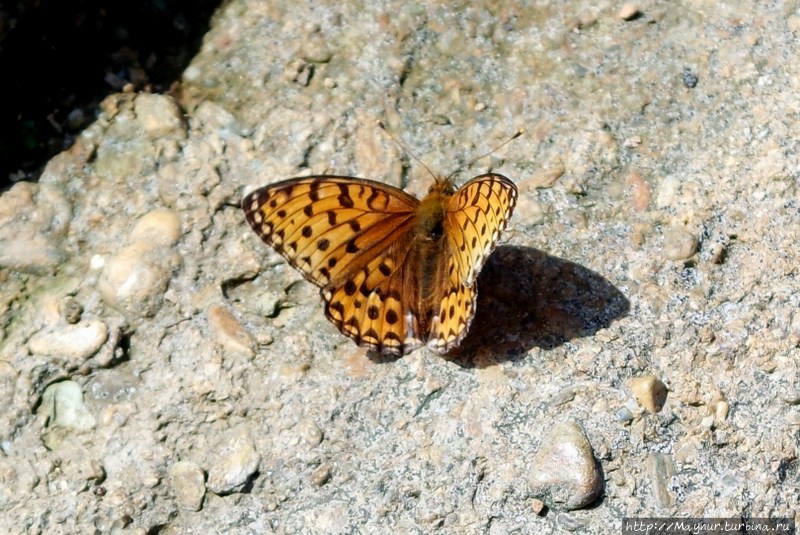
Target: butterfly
[{"x": 395, "y": 272}]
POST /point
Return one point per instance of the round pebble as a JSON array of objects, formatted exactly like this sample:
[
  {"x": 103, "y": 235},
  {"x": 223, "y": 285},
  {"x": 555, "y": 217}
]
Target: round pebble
[
  {"x": 188, "y": 483},
  {"x": 228, "y": 332},
  {"x": 159, "y": 228},
  {"x": 629, "y": 11},
  {"x": 679, "y": 245},
  {"x": 70, "y": 309},
  {"x": 564, "y": 473},
  {"x": 134, "y": 281},
  {"x": 75, "y": 342},
  {"x": 310, "y": 432},
  {"x": 649, "y": 392},
  {"x": 234, "y": 460},
  {"x": 624, "y": 415}
]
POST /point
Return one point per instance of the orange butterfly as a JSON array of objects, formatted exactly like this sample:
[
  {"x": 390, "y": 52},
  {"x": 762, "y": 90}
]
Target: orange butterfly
[{"x": 395, "y": 272}]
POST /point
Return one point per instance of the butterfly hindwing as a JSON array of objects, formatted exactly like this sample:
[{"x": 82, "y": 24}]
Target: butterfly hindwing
[
  {"x": 456, "y": 310},
  {"x": 370, "y": 307}
]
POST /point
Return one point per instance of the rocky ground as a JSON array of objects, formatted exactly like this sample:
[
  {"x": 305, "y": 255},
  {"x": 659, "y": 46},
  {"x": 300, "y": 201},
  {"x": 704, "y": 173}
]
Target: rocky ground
[{"x": 636, "y": 350}]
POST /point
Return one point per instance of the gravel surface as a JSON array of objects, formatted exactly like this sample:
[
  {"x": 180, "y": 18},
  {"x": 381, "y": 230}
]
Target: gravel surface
[{"x": 636, "y": 350}]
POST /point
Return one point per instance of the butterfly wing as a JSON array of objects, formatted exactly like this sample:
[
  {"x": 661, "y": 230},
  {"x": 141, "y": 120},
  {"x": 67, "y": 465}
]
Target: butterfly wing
[
  {"x": 350, "y": 237},
  {"x": 328, "y": 226},
  {"x": 476, "y": 215},
  {"x": 371, "y": 306}
]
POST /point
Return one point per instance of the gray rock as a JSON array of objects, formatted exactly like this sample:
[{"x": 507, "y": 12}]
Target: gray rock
[
  {"x": 564, "y": 473},
  {"x": 234, "y": 460},
  {"x": 660, "y": 468}
]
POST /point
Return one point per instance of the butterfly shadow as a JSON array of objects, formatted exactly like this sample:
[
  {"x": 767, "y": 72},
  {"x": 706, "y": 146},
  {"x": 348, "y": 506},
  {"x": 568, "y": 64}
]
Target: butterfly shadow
[{"x": 527, "y": 299}]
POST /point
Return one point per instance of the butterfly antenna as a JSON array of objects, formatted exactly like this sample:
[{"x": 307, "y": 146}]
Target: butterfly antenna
[
  {"x": 407, "y": 150},
  {"x": 481, "y": 157}
]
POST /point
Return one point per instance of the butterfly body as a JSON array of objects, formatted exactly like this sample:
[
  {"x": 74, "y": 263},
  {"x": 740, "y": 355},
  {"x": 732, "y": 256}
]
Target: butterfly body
[{"x": 395, "y": 272}]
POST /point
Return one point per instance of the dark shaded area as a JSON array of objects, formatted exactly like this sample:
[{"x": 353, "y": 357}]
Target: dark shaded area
[
  {"x": 527, "y": 298},
  {"x": 60, "y": 59}
]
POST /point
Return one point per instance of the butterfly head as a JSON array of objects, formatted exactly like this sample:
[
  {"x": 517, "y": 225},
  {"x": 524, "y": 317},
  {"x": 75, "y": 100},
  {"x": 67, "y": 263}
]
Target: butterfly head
[{"x": 442, "y": 186}]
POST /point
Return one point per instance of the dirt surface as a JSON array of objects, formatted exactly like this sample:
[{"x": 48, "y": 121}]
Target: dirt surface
[{"x": 636, "y": 350}]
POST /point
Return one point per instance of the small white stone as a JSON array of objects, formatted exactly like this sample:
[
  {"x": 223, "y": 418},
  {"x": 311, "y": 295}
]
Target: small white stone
[
  {"x": 160, "y": 116},
  {"x": 229, "y": 332},
  {"x": 75, "y": 342},
  {"x": 629, "y": 11},
  {"x": 679, "y": 245},
  {"x": 97, "y": 261}
]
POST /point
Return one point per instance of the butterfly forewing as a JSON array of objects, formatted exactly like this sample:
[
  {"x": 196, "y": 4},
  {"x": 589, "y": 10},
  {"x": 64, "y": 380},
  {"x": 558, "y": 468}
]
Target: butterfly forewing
[
  {"x": 477, "y": 214},
  {"x": 321, "y": 223}
]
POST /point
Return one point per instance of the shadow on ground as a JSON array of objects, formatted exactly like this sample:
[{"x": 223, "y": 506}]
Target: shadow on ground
[{"x": 528, "y": 299}]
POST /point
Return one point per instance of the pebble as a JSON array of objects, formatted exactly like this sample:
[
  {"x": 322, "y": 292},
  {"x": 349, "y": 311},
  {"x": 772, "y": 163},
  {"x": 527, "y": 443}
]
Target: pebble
[
  {"x": 159, "y": 228},
  {"x": 189, "y": 483},
  {"x": 228, "y": 331},
  {"x": 721, "y": 411},
  {"x": 624, "y": 415},
  {"x": 546, "y": 178},
  {"x": 660, "y": 468},
  {"x": 649, "y": 392},
  {"x": 321, "y": 475},
  {"x": 70, "y": 309},
  {"x": 159, "y": 116},
  {"x": 75, "y": 342},
  {"x": 629, "y": 11},
  {"x": 135, "y": 279},
  {"x": 63, "y": 403},
  {"x": 309, "y": 431},
  {"x": 564, "y": 473},
  {"x": 234, "y": 460},
  {"x": 679, "y": 245}
]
